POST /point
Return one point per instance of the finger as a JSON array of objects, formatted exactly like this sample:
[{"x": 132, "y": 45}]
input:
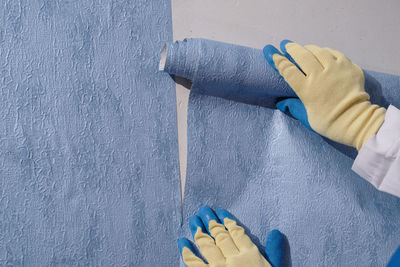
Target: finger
[
  {"x": 285, "y": 53},
  {"x": 194, "y": 223},
  {"x": 188, "y": 254},
  {"x": 304, "y": 58},
  {"x": 295, "y": 108},
  {"x": 269, "y": 51},
  {"x": 288, "y": 70},
  {"x": 275, "y": 248},
  {"x": 206, "y": 243},
  {"x": 324, "y": 56},
  {"x": 242, "y": 241},
  {"x": 217, "y": 230},
  {"x": 291, "y": 73}
]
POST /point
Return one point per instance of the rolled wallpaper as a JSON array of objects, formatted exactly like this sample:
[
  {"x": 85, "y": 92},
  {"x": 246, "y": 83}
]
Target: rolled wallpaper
[
  {"x": 237, "y": 72},
  {"x": 225, "y": 70}
]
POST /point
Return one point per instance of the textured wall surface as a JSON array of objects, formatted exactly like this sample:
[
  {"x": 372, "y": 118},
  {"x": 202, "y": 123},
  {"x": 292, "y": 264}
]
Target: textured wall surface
[
  {"x": 271, "y": 172},
  {"x": 88, "y": 148}
]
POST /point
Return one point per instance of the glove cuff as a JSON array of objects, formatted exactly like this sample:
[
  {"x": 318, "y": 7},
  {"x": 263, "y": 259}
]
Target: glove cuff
[{"x": 370, "y": 122}]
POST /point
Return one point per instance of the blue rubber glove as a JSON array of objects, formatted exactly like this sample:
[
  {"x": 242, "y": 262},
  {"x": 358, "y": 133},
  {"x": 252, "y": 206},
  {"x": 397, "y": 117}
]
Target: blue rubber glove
[
  {"x": 395, "y": 260},
  {"x": 291, "y": 106},
  {"x": 224, "y": 243}
]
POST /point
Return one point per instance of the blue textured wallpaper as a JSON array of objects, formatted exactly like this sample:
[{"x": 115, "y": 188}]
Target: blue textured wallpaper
[{"x": 88, "y": 144}]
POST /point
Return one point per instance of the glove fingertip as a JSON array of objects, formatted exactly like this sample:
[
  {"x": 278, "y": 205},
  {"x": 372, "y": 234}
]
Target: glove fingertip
[
  {"x": 269, "y": 51},
  {"x": 184, "y": 243},
  {"x": 283, "y": 45},
  {"x": 282, "y": 105},
  {"x": 275, "y": 236},
  {"x": 223, "y": 213},
  {"x": 287, "y": 54},
  {"x": 194, "y": 224},
  {"x": 207, "y": 214},
  {"x": 275, "y": 248}
]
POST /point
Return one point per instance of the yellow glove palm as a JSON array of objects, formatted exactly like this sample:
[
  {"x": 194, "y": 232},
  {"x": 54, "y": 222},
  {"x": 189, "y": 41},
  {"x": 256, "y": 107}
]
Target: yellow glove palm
[{"x": 331, "y": 88}]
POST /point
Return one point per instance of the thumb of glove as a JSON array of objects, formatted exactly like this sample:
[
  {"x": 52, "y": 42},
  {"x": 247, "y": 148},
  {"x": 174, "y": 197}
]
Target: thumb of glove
[
  {"x": 275, "y": 248},
  {"x": 295, "y": 108}
]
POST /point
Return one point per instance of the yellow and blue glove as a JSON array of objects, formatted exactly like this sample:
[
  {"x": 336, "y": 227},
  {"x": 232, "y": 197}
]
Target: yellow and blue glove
[
  {"x": 333, "y": 101},
  {"x": 223, "y": 243}
]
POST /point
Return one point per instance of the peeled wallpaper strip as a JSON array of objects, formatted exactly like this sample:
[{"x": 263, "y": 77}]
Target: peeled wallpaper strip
[{"x": 235, "y": 72}]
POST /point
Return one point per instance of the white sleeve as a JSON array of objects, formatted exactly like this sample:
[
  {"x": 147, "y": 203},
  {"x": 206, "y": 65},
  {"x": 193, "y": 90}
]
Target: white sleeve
[{"x": 378, "y": 161}]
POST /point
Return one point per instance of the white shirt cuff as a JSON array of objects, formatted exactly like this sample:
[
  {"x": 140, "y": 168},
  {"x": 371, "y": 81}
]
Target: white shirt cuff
[{"x": 378, "y": 161}]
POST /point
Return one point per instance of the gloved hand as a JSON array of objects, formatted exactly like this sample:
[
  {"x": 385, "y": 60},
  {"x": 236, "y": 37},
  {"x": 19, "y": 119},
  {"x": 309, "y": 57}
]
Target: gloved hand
[
  {"x": 227, "y": 245},
  {"x": 331, "y": 89}
]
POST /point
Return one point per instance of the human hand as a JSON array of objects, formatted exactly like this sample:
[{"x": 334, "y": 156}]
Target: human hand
[
  {"x": 224, "y": 243},
  {"x": 331, "y": 89}
]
